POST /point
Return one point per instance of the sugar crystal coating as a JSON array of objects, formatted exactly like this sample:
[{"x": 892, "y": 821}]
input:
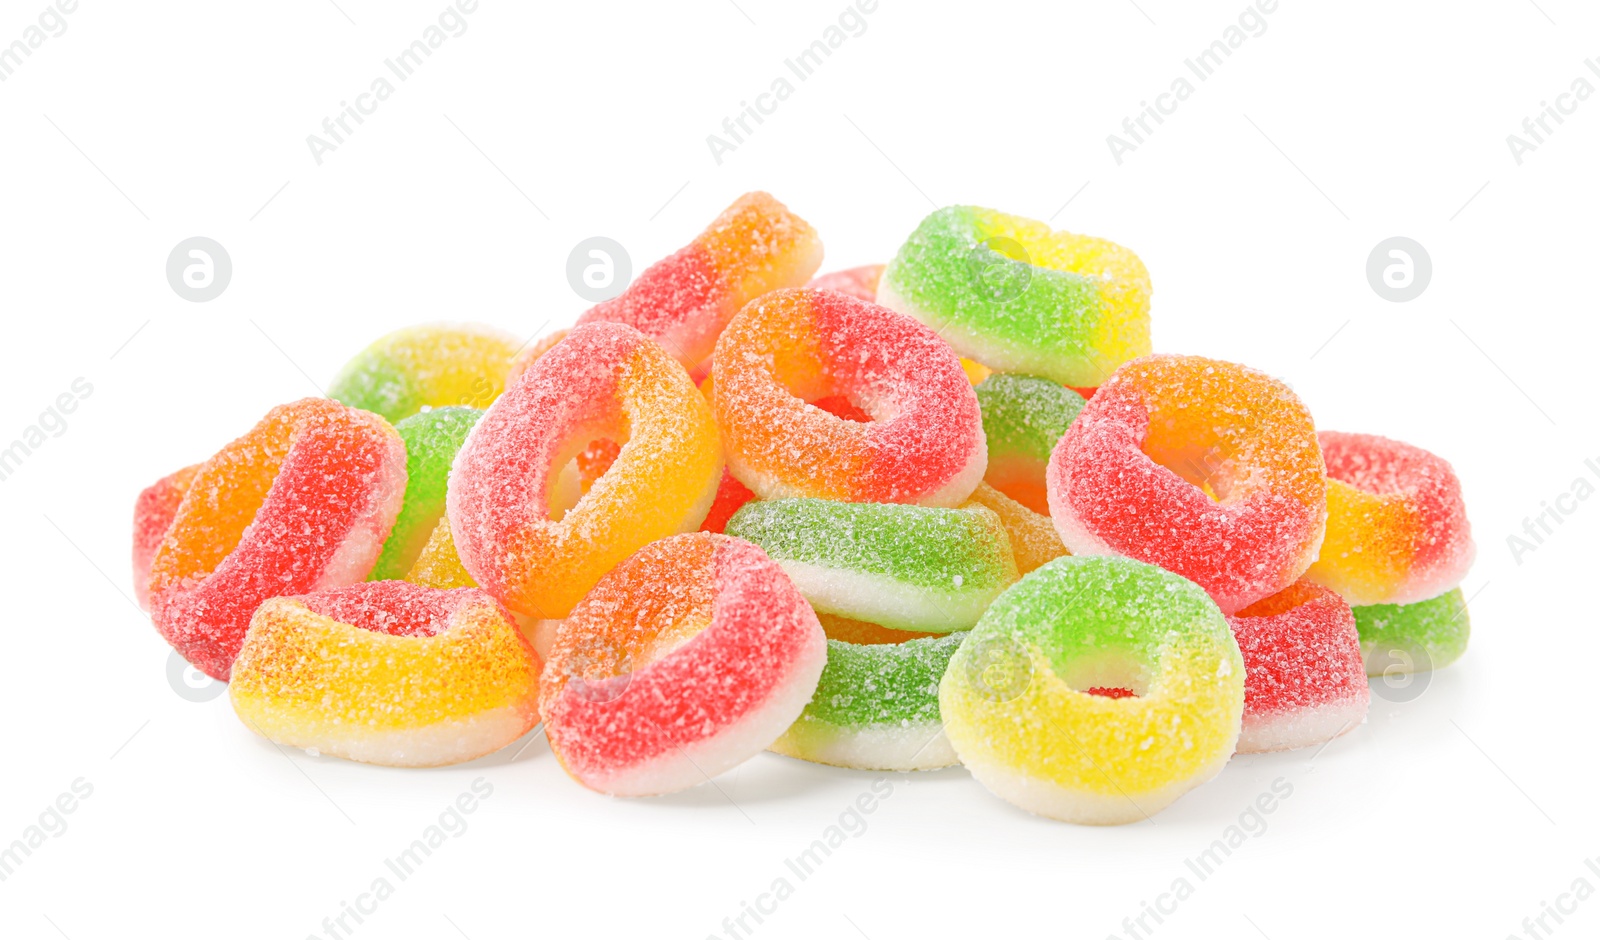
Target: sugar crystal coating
[
  {"x": 1018, "y": 297},
  {"x": 1304, "y": 681},
  {"x": 791, "y": 348},
  {"x": 1033, "y": 537},
  {"x": 1397, "y": 525},
  {"x": 906, "y": 567},
  {"x": 1409, "y": 638},
  {"x": 1017, "y": 704},
  {"x": 877, "y": 706},
  {"x": 689, "y": 657},
  {"x": 731, "y": 513},
  {"x": 683, "y": 301},
  {"x": 604, "y": 381},
  {"x": 153, "y": 513},
  {"x": 1023, "y": 420},
  {"x": 429, "y": 366},
  {"x": 1209, "y": 469},
  {"x": 387, "y": 672},
  {"x": 432, "y": 439},
  {"x": 531, "y": 353},
  {"x": 302, "y": 502},
  {"x": 862, "y": 284}
]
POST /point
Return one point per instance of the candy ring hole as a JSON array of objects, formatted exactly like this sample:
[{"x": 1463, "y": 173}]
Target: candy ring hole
[
  {"x": 802, "y": 378},
  {"x": 1109, "y": 674},
  {"x": 840, "y": 406},
  {"x": 1205, "y": 465},
  {"x": 582, "y": 462},
  {"x": 601, "y": 670}
]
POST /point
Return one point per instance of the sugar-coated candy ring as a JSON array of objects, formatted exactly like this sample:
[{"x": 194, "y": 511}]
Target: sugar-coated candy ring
[
  {"x": 683, "y": 301},
  {"x": 590, "y": 464},
  {"x": 1399, "y": 639},
  {"x": 432, "y": 439},
  {"x": 1018, "y": 297},
  {"x": 1304, "y": 682},
  {"x": 153, "y": 513},
  {"x": 1023, "y": 420},
  {"x": 924, "y": 443},
  {"x": 1397, "y": 526},
  {"x": 904, "y": 567},
  {"x": 877, "y": 703},
  {"x": 387, "y": 673},
  {"x": 531, "y": 353},
  {"x": 1018, "y": 706},
  {"x": 301, "y": 503},
  {"x": 1033, "y": 537},
  {"x": 1206, "y": 468},
  {"x": 860, "y": 283},
  {"x": 427, "y": 366},
  {"x": 688, "y": 658},
  {"x": 604, "y": 381}
]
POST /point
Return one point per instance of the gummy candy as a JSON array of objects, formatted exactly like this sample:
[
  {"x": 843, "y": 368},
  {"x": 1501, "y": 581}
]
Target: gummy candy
[
  {"x": 877, "y": 707},
  {"x": 683, "y": 301},
  {"x": 1400, "y": 639},
  {"x": 905, "y": 567},
  {"x": 387, "y": 673},
  {"x": 301, "y": 503},
  {"x": 512, "y": 530},
  {"x": 1206, "y": 468},
  {"x": 1033, "y": 537},
  {"x": 428, "y": 366},
  {"x": 1018, "y": 297},
  {"x": 432, "y": 439},
  {"x": 688, "y": 658},
  {"x": 1397, "y": 526},
  {"x": 790, "y": 348},
  {"x": 1018, "y": 709},
  {"x": 153, "y": 512},
  {"x": 1304, "y": 683},
  {"x": 1023, "y": 420}
]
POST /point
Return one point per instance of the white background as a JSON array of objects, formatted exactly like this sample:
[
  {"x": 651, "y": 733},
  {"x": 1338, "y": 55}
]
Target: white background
[{"x": 1255, "y": 206}]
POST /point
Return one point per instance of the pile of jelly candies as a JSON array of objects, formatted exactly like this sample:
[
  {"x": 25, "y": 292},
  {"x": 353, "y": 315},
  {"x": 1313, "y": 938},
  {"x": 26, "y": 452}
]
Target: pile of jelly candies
[{"x": 946, "y": 510}]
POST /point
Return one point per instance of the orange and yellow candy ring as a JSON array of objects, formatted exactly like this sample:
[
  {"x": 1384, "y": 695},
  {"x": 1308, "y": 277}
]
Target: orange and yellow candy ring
[
  {"x": 387, "y": 672},
  {"x": 790, "y": 352},
  {"x": 605, "y": 381}
]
